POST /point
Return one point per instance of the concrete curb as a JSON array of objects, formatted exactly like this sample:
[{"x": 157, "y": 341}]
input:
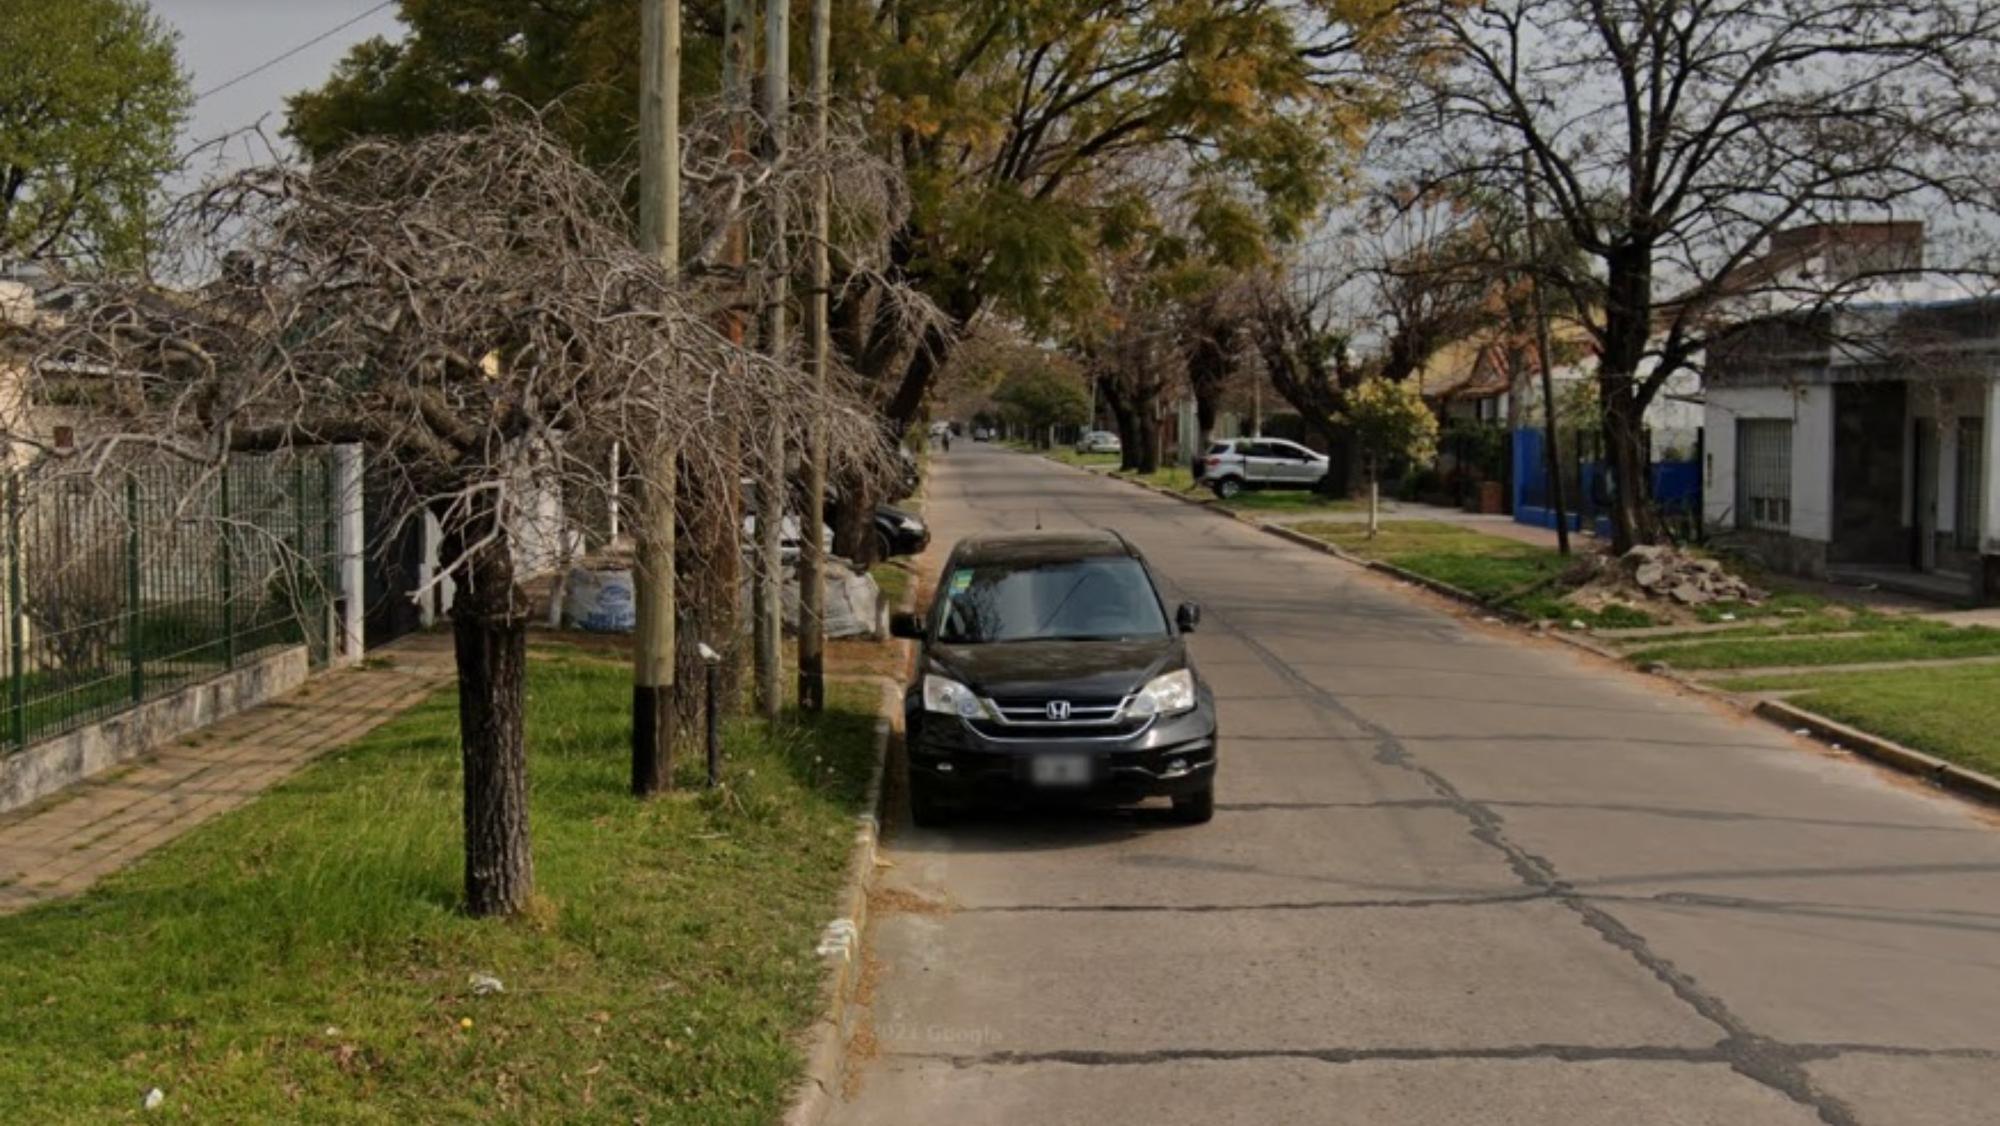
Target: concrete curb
[
  {"x": 840, "y": 944},
  {"x": 1789, "y": 716},
  {"x": 1887, "y": 752},
  {"x": 840, "y": 947}
]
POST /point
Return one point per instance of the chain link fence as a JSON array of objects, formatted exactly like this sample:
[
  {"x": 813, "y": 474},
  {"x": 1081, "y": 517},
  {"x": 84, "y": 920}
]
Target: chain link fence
[{"x": 129, "y": 587}]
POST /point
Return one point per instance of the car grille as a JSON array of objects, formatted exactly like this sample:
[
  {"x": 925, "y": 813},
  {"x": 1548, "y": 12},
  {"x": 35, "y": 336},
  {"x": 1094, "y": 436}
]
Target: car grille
[{"x": 1024, "y": 717}]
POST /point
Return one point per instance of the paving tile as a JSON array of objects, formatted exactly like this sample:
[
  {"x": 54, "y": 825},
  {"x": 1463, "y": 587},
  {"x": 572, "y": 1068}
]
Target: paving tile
[{"x": 100, "y": 827}]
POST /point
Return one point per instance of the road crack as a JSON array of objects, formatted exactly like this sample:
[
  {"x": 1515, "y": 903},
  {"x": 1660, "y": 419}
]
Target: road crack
[{"x": 1760, "y": 1058}]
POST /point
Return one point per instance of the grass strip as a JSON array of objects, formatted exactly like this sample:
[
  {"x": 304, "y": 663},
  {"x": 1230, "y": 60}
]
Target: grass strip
[
  {"x": 1950, "y": 712},
  {"x": 1895, "y": 640},
  {"x": 1497, "y": 570},
  {"x": 304, "y": 958}
]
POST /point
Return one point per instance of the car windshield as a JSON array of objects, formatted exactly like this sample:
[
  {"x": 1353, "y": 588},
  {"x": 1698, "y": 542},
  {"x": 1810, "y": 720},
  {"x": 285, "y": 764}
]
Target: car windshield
[{"x": 1107, "y": 599}]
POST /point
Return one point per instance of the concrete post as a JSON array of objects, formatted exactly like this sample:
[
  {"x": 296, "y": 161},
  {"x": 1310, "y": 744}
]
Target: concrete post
[{"x": 352, "y": 541}]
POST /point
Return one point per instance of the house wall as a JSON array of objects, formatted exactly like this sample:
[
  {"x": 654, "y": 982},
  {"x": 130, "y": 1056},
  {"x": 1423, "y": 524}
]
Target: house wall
[
  {"x": 1941, "y": 405},
  {"x": 1811, "y": 411}
]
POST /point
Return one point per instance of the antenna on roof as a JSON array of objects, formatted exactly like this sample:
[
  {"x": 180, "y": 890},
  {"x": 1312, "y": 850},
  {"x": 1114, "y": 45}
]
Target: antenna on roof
[{"x": 1038, "y": 519}]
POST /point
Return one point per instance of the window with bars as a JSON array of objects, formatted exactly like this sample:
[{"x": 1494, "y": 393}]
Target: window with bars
[
  {"x": 1764, "y": 473},
  {"x": 1971, "y": 500}
]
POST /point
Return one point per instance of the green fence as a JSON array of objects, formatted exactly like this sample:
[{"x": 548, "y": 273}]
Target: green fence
[{"x": 129, "y": 587}]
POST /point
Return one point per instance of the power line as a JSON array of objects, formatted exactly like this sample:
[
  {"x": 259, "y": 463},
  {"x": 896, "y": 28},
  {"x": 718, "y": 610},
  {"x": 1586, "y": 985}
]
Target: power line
[{"x": 315, "y": 41}]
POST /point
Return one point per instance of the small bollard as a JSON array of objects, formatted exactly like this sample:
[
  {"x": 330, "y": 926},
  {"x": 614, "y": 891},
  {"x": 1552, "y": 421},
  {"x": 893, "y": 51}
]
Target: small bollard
[{"x": 712, "y": 661}]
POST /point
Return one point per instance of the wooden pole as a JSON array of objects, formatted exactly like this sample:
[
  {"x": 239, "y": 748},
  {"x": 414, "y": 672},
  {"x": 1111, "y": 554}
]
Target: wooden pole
[
  {"x": 769, "y": 594},
  {"x": 1546, "y": 361},
  {"x": 812, "y": 558},
  {"x": 659, "y": 233},
  {"x": 726, "y": 617}
]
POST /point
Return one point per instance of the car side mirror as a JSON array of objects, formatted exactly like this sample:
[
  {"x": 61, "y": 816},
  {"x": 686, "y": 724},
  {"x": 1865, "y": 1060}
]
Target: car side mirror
[
  {"x": 906, "y": 625},
  {"x": 1188, "y": 616}
]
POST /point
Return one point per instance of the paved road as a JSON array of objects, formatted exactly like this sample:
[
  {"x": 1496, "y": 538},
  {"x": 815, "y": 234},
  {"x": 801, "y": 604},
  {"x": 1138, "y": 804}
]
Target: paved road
[{"x": 1455, "y": 876}]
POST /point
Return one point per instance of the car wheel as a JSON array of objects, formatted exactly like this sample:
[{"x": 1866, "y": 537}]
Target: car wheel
[
  {"x": 885, "y": 549},
  {"x": 1227, "y": 487},
  {"x": 1197, "y": 808},
  {"x": 925, "y": 810}
]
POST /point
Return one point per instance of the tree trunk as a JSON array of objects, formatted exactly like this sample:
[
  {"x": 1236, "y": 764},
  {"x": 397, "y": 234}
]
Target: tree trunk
[
  {"x": 1149, "y": 439},
  {"x": 853, "y": 520},
  {"x": 1204, "y": 427},
  {"x": 1633, "y": 520},
  {"x": 489, "y": 624},
  {"x": 1627, "y": 324},
  {"x": 1340, "y": 463},
  {"x": 1128, "y": 431}
]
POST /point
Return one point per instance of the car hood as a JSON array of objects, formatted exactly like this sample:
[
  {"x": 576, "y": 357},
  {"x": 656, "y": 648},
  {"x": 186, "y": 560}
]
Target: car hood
[{"x": 1057, "y": 668}]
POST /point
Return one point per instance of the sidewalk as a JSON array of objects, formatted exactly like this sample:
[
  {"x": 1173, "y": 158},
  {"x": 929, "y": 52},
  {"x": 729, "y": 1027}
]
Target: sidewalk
[{"x": 62, "y": 845}]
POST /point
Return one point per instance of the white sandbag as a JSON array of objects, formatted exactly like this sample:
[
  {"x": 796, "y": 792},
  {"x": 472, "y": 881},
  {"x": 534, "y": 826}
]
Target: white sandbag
[
  {"x": 853, "y": 602},
  {"x": 599, "y": 601}
]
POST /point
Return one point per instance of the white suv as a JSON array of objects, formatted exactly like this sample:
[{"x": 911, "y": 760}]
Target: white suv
[{"x": 1260, "y": 463}]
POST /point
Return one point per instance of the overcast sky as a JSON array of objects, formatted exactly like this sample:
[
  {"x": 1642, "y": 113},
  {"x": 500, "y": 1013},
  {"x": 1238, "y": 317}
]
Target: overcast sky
[{"x": 223, "y": 39}]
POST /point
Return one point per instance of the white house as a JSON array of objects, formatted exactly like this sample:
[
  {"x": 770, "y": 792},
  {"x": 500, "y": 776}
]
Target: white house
[{"x": 1859, "y": 441}]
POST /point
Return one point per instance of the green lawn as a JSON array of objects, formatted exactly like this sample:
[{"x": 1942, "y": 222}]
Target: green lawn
[
  {"x": 1949, "y": 712},
  {"x": 304, "y": 958},
  {"x": 893, "y": 580},
  {"x": 1293, "y": 501},
  {"x": 1884, "y": 639},
  {"x": 1068, "y": 456},
  {"x": 1498, "y": 570}
]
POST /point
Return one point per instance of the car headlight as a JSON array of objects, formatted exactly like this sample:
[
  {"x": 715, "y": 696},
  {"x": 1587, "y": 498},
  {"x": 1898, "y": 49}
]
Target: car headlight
[
  {"x": 951, "y": 698},
  {"x": 1168, "y": 694}
]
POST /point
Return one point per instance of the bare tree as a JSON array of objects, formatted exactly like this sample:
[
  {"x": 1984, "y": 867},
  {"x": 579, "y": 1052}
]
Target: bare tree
[
  {"x": 467, "y": 306},
  {"x": 1671, "y": 140},
  {"x": 1213, "y": 341}
]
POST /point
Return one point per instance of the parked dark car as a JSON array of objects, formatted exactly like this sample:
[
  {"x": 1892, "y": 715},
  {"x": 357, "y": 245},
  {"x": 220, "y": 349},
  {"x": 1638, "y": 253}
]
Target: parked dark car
[
  {"x": 1051, "y": 669},
  {"x": 899, "y": 533}
]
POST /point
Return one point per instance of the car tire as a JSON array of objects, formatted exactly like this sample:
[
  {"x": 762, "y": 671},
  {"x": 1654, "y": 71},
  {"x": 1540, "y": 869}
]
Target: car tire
[
  {"x": 885, "y": 549},
  {"x": 1197, "y": 808},
  {"x": 1227, "y": 487},
  {"x": 925, "y": 810}
]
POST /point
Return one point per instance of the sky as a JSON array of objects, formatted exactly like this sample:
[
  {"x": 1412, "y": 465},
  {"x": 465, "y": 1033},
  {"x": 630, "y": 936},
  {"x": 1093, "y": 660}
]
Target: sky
[{"x": 220, "y": 40}]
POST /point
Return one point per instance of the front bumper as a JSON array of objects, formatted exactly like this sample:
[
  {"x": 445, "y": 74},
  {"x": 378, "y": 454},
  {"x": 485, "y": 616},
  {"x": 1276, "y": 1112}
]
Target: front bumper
[{"x": 1173, "y": 757}]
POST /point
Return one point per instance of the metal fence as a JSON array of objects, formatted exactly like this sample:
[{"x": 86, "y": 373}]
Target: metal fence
[{"x": 124, "y": 589}]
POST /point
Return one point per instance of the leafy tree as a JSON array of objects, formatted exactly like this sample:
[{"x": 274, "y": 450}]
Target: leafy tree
[
  {"x": 1009, "y": 118},
  {"x": 1389, "y": 422},
  {"x": 91, "y": 97},
  {"x": 1017, "y": 126},
  {"x": 1040, "y": 396}
]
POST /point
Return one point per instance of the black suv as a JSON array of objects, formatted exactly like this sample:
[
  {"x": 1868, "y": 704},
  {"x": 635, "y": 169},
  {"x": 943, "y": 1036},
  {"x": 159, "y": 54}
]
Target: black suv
[{"x": 1051, "y": 669}]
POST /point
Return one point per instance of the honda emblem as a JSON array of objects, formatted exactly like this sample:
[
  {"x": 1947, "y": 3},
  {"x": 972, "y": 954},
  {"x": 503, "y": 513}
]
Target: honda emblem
[{"x": 1058, "y": 709}]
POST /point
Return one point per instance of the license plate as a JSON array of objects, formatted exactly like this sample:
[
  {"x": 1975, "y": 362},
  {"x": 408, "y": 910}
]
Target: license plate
[{"x": 1059, "y": 770}]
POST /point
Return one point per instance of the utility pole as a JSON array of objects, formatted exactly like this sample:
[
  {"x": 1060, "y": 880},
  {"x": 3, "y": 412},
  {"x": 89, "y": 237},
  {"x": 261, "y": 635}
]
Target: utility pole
[
  {"x": 769, "y": 594},
  {"x": 659, "y": 233},
  {"x": 726, "y": 618},
  {"x": 1546, "y": 360},
  {"x": 812, "y": 556}
]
